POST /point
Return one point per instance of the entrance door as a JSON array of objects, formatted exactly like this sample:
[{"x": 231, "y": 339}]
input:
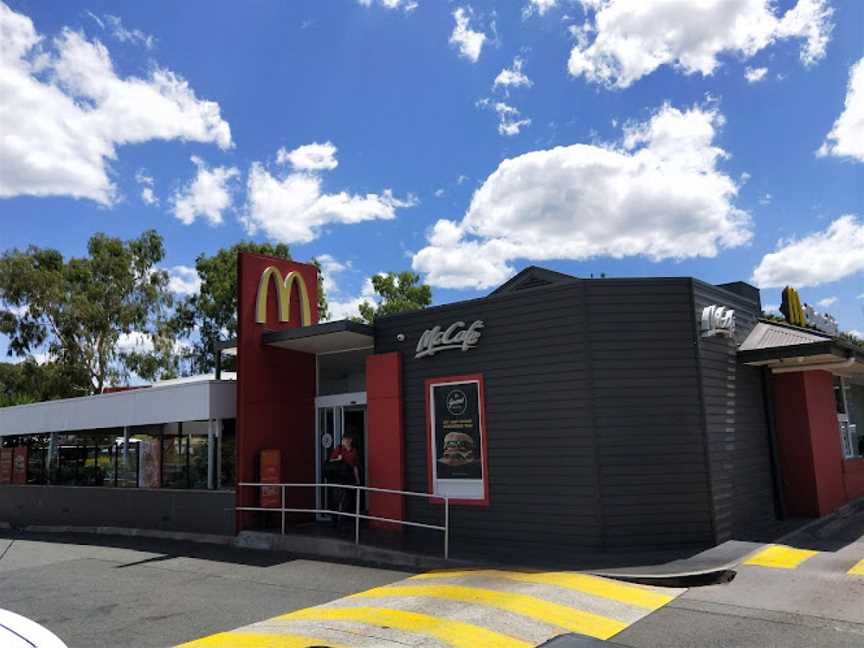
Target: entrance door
[{"x": 336, "y": 416}]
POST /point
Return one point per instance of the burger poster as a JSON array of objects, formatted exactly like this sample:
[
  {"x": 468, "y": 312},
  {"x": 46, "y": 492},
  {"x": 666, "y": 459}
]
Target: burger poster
[{"x": 457, "y": 439}]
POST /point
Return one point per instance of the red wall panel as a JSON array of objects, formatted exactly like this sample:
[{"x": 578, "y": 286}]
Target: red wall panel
[
  {"x": 853, "y": 478},
  {"x": 808, "y": 442},
  {"x": 385, "y": 436},
  {"x": 275, "y": 387}
]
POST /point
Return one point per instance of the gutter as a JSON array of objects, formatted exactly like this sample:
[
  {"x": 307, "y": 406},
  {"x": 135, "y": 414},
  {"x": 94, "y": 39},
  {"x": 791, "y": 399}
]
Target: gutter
[{"x": 840, "y": 364}]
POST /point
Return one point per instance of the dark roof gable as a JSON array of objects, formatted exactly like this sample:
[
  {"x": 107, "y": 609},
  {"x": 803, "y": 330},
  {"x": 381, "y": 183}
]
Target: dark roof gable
[{"x": 532, "y": 277}]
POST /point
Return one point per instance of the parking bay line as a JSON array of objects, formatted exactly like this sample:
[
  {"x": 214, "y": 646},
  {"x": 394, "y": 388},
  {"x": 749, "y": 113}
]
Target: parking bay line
[
  {"x": 593, "y": 585},
  {"x": 857, "y": 569},
  {"x": 456, "y": 633},
  {"x": 780, "y": 557},
  {"x": 556, "y": 614},
  {"x": 241, "y": 639}
]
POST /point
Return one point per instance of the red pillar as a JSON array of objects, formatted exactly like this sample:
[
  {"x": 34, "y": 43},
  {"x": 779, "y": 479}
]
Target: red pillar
[
  {"x": 808, "y": 442},
  {"x": 275, "y": 389},
  {"x": 386, "y": 439}
]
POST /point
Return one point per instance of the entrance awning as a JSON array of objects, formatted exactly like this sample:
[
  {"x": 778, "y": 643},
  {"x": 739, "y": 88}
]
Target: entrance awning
[
  {"x": 784, "y": 348},
  {"x": 330, "y": 337}
]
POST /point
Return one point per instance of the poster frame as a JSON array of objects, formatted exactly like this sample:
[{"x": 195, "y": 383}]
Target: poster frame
[{"x": 431, "y": 383}]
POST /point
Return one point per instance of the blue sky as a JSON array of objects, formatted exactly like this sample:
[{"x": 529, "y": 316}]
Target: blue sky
[{"x": 610, "y": 146}]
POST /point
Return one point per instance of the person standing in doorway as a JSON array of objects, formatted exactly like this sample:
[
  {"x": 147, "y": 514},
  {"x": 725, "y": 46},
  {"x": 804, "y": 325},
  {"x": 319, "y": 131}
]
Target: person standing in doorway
[{"x": 346, "y": 462}]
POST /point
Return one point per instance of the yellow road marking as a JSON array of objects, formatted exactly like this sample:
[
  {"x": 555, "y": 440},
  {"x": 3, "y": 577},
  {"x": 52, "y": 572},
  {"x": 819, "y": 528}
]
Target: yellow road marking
[
  {"x": 455, "y": 633},
  {"x": 593, "y": 585},
  {"x": 257, "y": 640},
  {"x": 530, "y": 606},
  {"x": 780, "y": 557},
  {"x": 858, "y": 569}
]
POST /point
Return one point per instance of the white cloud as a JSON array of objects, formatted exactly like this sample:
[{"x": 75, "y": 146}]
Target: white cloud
[
  {"x": 406, "y": 5},
  {"x": 146, "y": 182},
  {"x": 771, "y": 308},
  {"x": 539, "y": 6},
  {"x": 828, "y": 301},
  {"x": 347, "y": 307},
  {"x": 309, "y": 157},
  {"x": 134, "y": 342},
  {"x": 856, "y": 333},
  {"x": 207, "y": 195},
  {"x": 659, "y": 194},
  {"x": 754, "y": 75},
  {"x": 624, "y": 40},
  {"x": 512, "y": 77},
  {"x": 116, "y": 28},
  {"x": 509, "y": 123},
  {"x": 846, "y": 138},
  {"x": 183, "y": 280},
  {"x": 766, "y": 199},
  {"x": 293, "y": 208},
  {"x": 819, "y": 258},
  {"x": 343, "y": 306},
  {"x": 469, "y": 42},
  {"x": 439, "y": 193},
  {"x": 64, "y": 111}
]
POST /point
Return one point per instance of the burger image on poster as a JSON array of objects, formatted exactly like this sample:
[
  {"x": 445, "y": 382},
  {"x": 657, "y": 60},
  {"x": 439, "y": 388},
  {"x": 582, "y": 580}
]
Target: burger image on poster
[{"x": 458, "y": 449}]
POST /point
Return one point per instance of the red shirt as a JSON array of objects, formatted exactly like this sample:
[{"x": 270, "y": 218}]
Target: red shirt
[{"x": 350, "y": 457}]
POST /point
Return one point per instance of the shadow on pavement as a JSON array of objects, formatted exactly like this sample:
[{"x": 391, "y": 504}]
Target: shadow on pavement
[{"x": 167, "y": 548}]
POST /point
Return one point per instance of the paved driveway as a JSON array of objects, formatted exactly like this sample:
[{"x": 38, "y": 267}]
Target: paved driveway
[
  {"x": 147, "y": 593},
  {"x": 807, "y": 593}
]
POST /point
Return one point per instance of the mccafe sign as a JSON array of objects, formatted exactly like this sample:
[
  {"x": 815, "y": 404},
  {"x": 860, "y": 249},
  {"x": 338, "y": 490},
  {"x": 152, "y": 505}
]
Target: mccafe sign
[
  {"x": 284, "y": 288},
  {"x": 456, "y": 336}
]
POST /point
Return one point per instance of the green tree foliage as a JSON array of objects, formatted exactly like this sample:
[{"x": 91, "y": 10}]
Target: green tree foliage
[
  {"x": 30, "y": 382},
  {"x": 400, "y": 292},
  {"x": 77, "y": 309},
  {"x": 213, "y": 311}
]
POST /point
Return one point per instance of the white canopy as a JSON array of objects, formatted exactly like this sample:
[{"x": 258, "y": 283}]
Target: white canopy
[{"x": 194, "y": 399}]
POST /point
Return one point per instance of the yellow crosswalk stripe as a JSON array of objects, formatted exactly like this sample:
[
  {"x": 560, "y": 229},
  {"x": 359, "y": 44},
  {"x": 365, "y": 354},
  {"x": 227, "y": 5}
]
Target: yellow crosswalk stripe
[
  {"x": 455, "y": 633},
  {"x": 780, "y": 557},
  {"x": 858, "y": 569},
  {"x": 238, "y": 639},
  {"x": 562, "y": 616},
  {"x": 584, "y": 583}
]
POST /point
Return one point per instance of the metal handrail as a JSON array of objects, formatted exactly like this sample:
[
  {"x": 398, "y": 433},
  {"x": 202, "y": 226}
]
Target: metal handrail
[{"x": 356, "y": 514}]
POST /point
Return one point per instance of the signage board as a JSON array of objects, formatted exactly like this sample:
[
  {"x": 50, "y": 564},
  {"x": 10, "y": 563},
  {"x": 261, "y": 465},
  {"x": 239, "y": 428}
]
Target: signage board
[
  {"x": 271, "y": 473},
  {"x": 19, "y": 465},
  {"x": 456, "y": 336},
  {"x": 805, "y": 315},
  {"x": 6, "y": 465},
  {"x": 457, "y": 439},
  {"x": 718, "y": 320},
  {"x": 284, "y": 289},
  {"x": 150, "y": 463}
]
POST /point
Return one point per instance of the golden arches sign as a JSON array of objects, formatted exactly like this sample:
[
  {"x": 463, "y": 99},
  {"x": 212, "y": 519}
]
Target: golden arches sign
[
  {"x": 791, "y": 307},
  {"x": 284, "y": 288}
]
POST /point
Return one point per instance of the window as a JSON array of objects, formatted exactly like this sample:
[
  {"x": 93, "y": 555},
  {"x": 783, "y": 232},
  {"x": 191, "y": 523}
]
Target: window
[{"x": 852, "y": 428}]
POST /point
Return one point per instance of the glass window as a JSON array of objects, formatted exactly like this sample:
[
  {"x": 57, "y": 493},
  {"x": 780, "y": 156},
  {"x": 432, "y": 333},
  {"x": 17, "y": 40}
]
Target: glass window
[
  {"x": 198, "y": 450},
  {"x": 853, "y": 434},
  {"x": 175, "y": 456},
  {"x": 226, "y": 455}
]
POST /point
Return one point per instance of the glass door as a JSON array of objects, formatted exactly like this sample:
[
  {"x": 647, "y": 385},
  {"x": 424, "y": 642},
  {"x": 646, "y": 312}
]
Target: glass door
[{"x": 333, "y": 420}]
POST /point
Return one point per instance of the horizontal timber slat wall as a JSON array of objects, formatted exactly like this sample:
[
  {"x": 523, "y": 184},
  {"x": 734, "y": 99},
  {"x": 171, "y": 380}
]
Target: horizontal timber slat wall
[{"x": 594, "y": 415}]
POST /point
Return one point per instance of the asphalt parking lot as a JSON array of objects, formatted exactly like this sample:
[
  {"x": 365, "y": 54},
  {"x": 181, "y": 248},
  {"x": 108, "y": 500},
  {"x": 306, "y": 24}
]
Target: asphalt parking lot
[{"x": 97, "y": 592}]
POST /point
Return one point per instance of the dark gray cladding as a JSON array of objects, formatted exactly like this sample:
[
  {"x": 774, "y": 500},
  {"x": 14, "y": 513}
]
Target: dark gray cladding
[
  {"x": 595, "y": 417},
  {"x": 739, "y": 451}
]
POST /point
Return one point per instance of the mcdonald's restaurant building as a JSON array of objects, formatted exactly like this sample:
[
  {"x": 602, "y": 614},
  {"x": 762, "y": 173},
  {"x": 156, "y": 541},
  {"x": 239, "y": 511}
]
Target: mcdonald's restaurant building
[{"x": 555, "y": 414}]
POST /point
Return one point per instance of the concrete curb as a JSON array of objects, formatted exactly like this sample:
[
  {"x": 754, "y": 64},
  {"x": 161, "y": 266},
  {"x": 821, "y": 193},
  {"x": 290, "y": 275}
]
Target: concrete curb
[
  {"x": 345, "y": 551},
  {"x": 181, "y": 536}
]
